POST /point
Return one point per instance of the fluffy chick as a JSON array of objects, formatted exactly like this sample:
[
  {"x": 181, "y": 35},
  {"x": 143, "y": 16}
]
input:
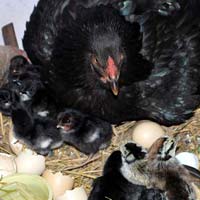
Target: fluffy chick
[
  {"x": 24, "y": 79},
  {"x": 86, "y": 133},
  {"x": 113, "y": 185},
  {"x": 160, "y": 169},
  {"x": 5, "y": 101},
  {"x": 37, "y": 132}
]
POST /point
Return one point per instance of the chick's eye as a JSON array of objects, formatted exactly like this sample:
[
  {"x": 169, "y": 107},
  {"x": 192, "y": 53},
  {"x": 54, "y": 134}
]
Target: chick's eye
[
  {"x": 121, "y": 57},
  {"x": 68, "y": 121}
]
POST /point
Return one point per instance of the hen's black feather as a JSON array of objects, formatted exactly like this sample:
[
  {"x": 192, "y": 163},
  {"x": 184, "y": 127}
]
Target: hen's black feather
[{"x": 170, "y": 44}]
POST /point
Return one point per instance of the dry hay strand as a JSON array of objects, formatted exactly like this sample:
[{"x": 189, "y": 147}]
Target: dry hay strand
[{"x": 86, "y": 168}]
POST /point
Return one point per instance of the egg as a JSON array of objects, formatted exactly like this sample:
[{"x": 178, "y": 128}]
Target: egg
[
  {"x": 58, "y": 182},
  {"x": 197, "y": 191},
  {"x": 30, "y": 163},
  {"x": 145, "y": 133},
  {"x": 75, "y": 194},
  {"x": 7, "y": 165},
  {"x": 189, "y": 159},
  {"x": 15, "y": 145}
]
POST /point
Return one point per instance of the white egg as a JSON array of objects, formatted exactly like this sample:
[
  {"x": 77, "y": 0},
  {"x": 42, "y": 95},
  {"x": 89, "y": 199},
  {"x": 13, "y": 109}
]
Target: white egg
[
  {"x": 146, "y": 132},
  {"x": 30, "y": 163},
  {"x": 189, "y": 159},
  {"x": 7, "y": 165},
  {"x": 58, "y": 182},
  {"x": 75, "y": 194}
]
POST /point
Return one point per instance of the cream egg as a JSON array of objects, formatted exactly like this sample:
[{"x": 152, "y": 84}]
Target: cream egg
[
  {"x": 58, "y": 182},
  {"x": 146, "y": 132},
  {"x": 76, "y": 194},
  {"x": 30, "y": 163},
  {"x": 7, "y": 165},
  {"x": 187, "y": 158}
]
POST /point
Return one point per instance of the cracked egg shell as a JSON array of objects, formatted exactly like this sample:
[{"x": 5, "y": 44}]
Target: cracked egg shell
[
  {"x": 7, "y": 165},
  {"x": 75, "y": 194},
  {"x": 58, "y": 182},
  {"x": 187, "y": 158},
  {"x": 30, "y": 163}
]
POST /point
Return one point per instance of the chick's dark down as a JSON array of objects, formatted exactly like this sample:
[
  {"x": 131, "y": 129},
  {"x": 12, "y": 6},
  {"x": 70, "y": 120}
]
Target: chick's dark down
[{"x": 95, "y": 61}]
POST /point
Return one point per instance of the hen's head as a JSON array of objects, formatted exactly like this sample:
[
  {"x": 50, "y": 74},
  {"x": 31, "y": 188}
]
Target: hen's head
[
  {"x": 98, "y": 45},
  {"x": 106, "y": 58}
]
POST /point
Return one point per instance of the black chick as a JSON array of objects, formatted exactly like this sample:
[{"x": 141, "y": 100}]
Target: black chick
[
  {"x": 113, "y": 185},
  {"x": 160, "y": 169},
  {"x": 39, "y": 133},
  {"x": 5, "y": 101},
  {"x": 21, "y": 69},
  {"x": 86, "y": 133},
  {"x": 24, "y": 79}
]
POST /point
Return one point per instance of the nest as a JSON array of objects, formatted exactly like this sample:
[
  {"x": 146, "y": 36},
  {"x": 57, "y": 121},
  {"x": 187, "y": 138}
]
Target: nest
[{"x": 85, "y": 169}]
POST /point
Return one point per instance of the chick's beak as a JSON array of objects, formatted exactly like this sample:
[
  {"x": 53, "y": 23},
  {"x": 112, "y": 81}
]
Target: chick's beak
[{"x": 59, "y": 126}]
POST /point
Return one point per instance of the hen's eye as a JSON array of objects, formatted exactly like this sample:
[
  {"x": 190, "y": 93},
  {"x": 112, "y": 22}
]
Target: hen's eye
[{"x": 95, "y": 60}]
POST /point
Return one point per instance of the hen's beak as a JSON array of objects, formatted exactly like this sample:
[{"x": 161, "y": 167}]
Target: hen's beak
[
  {"x": 114, "y": 86},
  {"x": 113, "y": 75}
]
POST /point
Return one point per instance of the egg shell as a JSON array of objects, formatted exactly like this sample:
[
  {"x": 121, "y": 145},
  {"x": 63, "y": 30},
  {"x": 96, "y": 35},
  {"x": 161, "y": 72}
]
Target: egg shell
[
  {"x": 30, "y": 163},
  {"x": 58, "y": 182},
  {"x": 146, "y": 132},
  {"x": 187, "y": 158},
  {"x": 7, "y": 165},
  {"x": 15, "y": 145},
  {"x": 75, "y": 194},
  {"x": 197, "y": 191}
]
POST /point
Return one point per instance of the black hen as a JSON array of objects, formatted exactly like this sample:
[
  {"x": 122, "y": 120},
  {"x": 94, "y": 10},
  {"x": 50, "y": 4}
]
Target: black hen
[
  {"x": 97, "y": 58},
  {"x": 88, "y": 51}
]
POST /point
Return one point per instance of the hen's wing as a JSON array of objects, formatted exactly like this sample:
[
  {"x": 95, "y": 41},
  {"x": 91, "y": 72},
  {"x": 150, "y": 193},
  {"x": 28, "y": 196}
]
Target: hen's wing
[
  {"x": 173, "y": 45},
  {"x": 42, "y": 29}
]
